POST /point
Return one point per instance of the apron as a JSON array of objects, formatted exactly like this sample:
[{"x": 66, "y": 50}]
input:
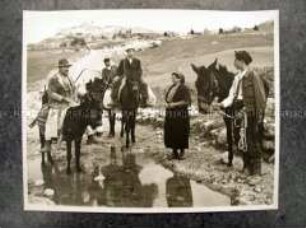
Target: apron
[{"x": 57, "y": 114}]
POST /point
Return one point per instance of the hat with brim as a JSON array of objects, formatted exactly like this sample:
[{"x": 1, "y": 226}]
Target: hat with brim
[
  {"x": 64, "y": 63},
  {"x": 130, "y": 49},
  {"x": 243, "y": 56}
]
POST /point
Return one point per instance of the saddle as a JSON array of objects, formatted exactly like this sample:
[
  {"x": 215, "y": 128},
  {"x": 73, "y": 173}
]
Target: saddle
[{"x": 112, "y": 95}]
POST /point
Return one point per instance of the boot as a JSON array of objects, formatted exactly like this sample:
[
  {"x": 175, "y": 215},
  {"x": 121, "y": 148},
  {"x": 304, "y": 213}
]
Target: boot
[
  {"x": 182, "y": 154},
  {"x": 47, "y": 149},
  {"x": 175, "y": 154}
]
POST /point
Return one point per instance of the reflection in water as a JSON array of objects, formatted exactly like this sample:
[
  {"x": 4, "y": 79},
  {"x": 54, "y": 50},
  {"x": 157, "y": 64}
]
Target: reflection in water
[
  {"x": 122, "y": 182},
  {"x": 68, "y": 190},
  {"x": 122, "y": 186},
  {"x": 179, "y": 191}
]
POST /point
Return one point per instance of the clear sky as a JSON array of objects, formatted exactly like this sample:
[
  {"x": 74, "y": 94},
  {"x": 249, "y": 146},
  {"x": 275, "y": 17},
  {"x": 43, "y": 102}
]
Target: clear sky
[{"x": 39, "y": 25}]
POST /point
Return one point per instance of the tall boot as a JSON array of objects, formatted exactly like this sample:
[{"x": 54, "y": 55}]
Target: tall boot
[
  {"x": 255, "y": 166},
  {"x": 245, "y": 162},
  {"x": 47, "y": 149}
]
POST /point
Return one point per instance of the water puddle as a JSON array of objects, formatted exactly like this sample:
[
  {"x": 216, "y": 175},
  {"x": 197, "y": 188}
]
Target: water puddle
[{"x": 122, "y": 179}]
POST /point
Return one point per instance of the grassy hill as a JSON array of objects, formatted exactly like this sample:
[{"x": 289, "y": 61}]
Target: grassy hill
[
  {"x": 174, "y": 54},
  {"x": 178, "y": 54}
]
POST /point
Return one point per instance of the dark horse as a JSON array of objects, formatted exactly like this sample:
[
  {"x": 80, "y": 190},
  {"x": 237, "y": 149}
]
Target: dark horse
[
  {"x": 215, "y": 81},
  {"x": 88, "y": 113},
  {"x": 129, "y": 100}
]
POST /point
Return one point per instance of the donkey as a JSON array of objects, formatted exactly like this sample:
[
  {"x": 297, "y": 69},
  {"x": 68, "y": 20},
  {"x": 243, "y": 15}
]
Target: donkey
[
  {"x": 213, "y": 82},
  {"x": 129, "y": 100},
  {"x": 88, "y": 113}
]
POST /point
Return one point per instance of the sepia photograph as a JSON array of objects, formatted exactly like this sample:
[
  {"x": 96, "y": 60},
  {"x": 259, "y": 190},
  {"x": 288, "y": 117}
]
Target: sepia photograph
[{"x": 150, "y": 111}]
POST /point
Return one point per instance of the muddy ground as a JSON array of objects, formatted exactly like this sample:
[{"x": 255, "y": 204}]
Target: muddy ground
[{"x": 203, "y": 166}]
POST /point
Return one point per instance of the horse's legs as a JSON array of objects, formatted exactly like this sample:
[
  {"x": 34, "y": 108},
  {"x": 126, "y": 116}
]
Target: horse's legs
[
  {"x": 127, "y": 128},
  {"x": 113, "y": 122},
  {"x": 68, "y": 142},
  {"x": 77, "y": 154},
  {"x": 229, "y": 136},
  {"x": 42, "y": 144},
  {"x": 123, "y": 120},
  {"x": 112, "y": 119},
  {"x": 133, "y": 125}
]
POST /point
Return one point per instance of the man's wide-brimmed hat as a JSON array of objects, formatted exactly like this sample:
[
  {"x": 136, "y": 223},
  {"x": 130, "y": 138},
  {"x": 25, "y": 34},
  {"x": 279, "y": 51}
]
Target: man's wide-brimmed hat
[
  {"x": 243, "y": 56},
  {"x": 64, "y": 63},
  {"x": 130, "y": 49}
]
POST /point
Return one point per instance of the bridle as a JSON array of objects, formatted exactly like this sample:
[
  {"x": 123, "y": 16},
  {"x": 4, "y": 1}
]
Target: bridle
[{"x": 213, "y": 89}]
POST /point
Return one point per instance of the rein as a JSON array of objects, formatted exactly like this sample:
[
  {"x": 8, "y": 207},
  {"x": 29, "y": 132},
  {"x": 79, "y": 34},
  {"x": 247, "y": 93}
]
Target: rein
[{"x": 225, "y": 114}]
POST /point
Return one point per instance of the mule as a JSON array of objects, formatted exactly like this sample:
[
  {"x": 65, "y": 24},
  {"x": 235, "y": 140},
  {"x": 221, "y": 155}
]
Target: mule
[
  {"x": 129, "y": 100},
  {"x": 88, "y": 113},
  {"x": 214, "y": 82}
]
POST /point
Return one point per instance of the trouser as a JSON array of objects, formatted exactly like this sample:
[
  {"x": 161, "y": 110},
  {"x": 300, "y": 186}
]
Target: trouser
[{"x": 252, "y": 157}]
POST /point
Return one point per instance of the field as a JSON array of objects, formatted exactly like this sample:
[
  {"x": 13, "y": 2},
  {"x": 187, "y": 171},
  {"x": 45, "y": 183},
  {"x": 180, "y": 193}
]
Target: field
[{"x": 40, "y": 63}]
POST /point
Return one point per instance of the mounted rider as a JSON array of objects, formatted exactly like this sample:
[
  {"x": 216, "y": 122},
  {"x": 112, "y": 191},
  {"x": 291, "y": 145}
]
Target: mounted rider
[
  {"x": 109, "y": 72},
  {"x": 130, "y": 69},
  {"x": 109, "y": 75}
]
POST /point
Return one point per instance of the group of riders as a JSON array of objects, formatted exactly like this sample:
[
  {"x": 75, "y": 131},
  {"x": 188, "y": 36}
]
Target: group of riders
[{"x": 246, "y": 94}]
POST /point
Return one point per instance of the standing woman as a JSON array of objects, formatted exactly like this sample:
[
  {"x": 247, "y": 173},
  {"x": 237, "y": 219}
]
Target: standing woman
[
  {"x": 177, "y": 121},
  {"x": 60, "y": 96}
]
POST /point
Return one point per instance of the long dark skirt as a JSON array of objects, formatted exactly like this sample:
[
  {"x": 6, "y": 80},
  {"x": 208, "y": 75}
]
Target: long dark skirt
[{"x": 177, "y": 128}]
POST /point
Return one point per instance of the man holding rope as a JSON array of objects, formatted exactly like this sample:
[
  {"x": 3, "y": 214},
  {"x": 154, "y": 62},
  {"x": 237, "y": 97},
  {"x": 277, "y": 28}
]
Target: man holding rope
[
  {"x": 60, "y": 91},
  {"x": 248, "y": 98}
]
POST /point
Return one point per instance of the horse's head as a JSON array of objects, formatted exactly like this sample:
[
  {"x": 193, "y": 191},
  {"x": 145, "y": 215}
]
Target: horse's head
[
  {"x": 131, "y": 94},
  {"x": 91, "y": 110},
  {"x": 133, "y": 86},
  {"x": 212, "y": 81},
  {"x": 207, "y": 85},
  {"x": 92, "y": 102}
]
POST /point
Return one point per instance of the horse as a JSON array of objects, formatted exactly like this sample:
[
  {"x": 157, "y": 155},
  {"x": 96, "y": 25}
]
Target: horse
[
  {"x": 76, "y": 120},
  {"x": 129, "y": 100},
  {"x": 213, "y": 82}
]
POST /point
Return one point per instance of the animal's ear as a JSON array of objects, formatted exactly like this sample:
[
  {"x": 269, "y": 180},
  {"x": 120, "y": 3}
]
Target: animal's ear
[
  {"x": 195, "y": 68},
  {"x": 216, "y": 64}
]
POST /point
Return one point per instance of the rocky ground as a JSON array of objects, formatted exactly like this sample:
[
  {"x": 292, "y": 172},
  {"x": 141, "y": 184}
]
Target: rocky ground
[{"x": 206, "y": 158}]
